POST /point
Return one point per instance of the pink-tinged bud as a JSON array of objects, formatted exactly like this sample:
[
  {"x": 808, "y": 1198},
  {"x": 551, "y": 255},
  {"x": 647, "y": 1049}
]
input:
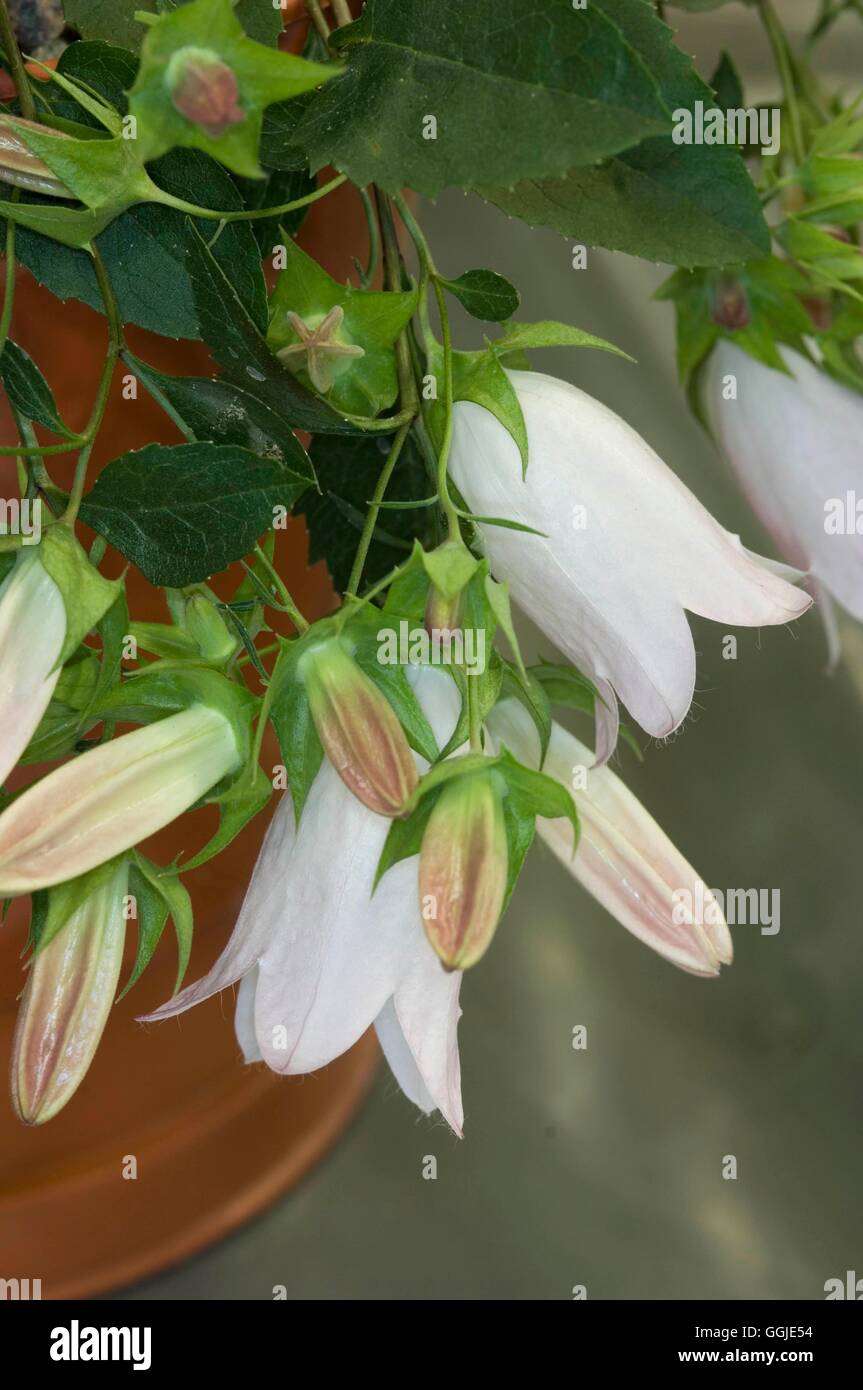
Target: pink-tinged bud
[
  {"x": 359, "y": 730},
  {"x": 70, "y": 989},
  {"x": 204, "y": 90},
  {"x": 104, "y": 802},
  {"x": 463, "y": 870},
  {"x": 731, "y": 304},
  {"x": 32, "y": 632},
  {"x": 19, "y": 166},
  {"x": 443, "y": 615}
]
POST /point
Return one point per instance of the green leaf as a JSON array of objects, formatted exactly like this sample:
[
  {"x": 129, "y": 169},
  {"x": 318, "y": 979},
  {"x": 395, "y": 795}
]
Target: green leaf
[
  {"x": 348, "y": 470},
  {"x": 145, "y": 253},
  {"x": 184, "y": 512},
  {"x": 486, "y": 687},
  {"x": 210, "y": 408},
  {"x": 115, "y": 19},
  {"x": 478, "y": 377},
  {"x": 101, "y": 173},
  {"x": 520, "y": 825},
  {"x": 232, "y": 336},
  {"x": 28, "y": 391},
  {"x": 87, "y": 595},
  {"x": 726, "y": 84},
  {"x": 161, "y": 894},
  {"x": 485, "y": 294},
  {"x": 515, "y": 95},
  {"x": 239, "y": 804},
  {"x": 291, "y": 717},
  {"x": 393, "y": 683},
  {"x": 372, "y": 321},
  {"x": 405, "y": 836},
  {"x": 263, "y": 75},
  {"x": 70, "y": 226},
  {"x": 529, "y": 691},
  {"x": 539, "y": 794},
  {"x": 498, "y": 597},
  {"x": 688, "y": 205},
  {"x": 520, "y": 337}
]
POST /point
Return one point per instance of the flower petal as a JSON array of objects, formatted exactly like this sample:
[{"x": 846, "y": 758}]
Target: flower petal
[{"x": 32, "y": 631}]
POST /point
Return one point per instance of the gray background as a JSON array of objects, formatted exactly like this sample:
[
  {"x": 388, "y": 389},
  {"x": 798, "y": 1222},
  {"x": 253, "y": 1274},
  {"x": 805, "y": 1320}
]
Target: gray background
[{"x": 603, "y": 1167}]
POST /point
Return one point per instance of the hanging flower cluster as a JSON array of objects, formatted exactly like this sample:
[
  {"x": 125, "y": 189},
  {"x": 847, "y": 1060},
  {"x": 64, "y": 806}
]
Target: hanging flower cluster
[{"x": 444, "y": 488}]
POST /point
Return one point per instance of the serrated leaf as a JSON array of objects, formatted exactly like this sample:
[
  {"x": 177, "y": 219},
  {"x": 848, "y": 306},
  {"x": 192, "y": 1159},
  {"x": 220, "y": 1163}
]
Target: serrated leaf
[
  {"x": 28, "y": 391},
  {"x": 115, "y": 21},
  {"x": 184, "y": 512},
  {"x": 485, "y": 294},
  {"x": 234, "y": 340},
  {"x": 512, "y": 99},
  {"x": 210, "y": 408}
]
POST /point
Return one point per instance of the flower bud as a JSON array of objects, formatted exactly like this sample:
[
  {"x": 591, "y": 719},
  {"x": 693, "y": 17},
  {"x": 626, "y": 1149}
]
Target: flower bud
[
  {"x": 208, "y": 630},
  {"x": 32, "y": 632},
  {"x": 69, "y": 993},
  {"x": 731, "y": 304},
  {"x": 20, "y": 166},
  {"x": 359, "y": 730},
  {"x": 107, "y": 800},
  {"x": 204, "y": 90},
  {"x": 463, "y": 869},
  {"x": 443, "y": 615}
]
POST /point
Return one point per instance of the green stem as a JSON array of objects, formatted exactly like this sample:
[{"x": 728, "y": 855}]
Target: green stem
[
  {"x": 367, "y": 275},
  {"x": 97, "y": 414},
  {"x": 316, "y": 15},
  {"x": 16, "y": 64},
  {"x": 393, "y": 281},
  {"x": 9, "y": 288},
  {"x": 342, "y": 11},
  {"x": 782, "y": 58},
  {"x": 250, "y": 214},
  {"x": 291, "y": 608},
  {"x": 371, "y": 520},
  {"x": 473, "y": 715}
]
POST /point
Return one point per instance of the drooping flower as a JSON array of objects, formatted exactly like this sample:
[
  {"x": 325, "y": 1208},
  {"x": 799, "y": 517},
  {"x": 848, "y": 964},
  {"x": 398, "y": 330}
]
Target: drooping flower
[
  {"x": 623, "y": 858},
  {"x": 358, "y": 728},
  {"x": 104, "y": 802},
  {"x": 321, "y": 959},
  {"x": 463, "y": 869},
  {"x": 794, "y": 444},
  {"x": 70, "y": 989},
  {"x": 626, "y": 549},
  {"x": 32, "y": 632}
]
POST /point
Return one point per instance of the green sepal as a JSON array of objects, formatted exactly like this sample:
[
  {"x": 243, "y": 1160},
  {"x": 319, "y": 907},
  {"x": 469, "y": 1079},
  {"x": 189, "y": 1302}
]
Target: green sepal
[
  {"x": 238, "y": 804},
  {"x": 486, "y": 687},
  {"x": 159, "y": 894},
  {"x": 549, "y": 333},
  {"x": 52, "y": 907},
  {"x": 450, "y": 567},
  {"x": 104, "y": 174},
  {"x": 164, "y": 640},
  {"x": 538, "y": 794},
  {"x": 520, "y": 826},
  {"x": 149, "y": 696},
  {"x": 373, "y": 320},
  {"x": 531, "y": 693},
  {"x": 263, "y": 75},
  {"x": 86, "y": 594},
  {"x": 405, "y": 836}
]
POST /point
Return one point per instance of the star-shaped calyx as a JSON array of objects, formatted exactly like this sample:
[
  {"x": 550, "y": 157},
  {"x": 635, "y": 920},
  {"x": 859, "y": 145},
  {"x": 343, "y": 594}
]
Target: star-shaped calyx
[{"x": 320, "y": 346}]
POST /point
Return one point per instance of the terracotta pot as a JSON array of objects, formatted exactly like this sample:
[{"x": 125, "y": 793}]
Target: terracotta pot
[{"x": 214, "y": 1141}]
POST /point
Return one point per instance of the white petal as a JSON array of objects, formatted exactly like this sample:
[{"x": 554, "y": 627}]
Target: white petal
[
  {"x": 244, "y": 1017},
  {"x": 611, "y": 595},
  {"x": 400, "y": 1058},
  {"x": 795, "y": 444},
  {"x": 32, "y": 631}
]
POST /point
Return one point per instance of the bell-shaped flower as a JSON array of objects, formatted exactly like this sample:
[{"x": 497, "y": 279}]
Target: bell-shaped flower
[
  {"x": 623, "y": 858},
  {"x": 321, "y": 959},
  {"x": 104, "y": 802},
  {"x": 32, "y": 632},
  {"x": 625, "y": 549},
  {"x": 358, "y": 728},
  {"x": 463, "y": 869},
  {"x": 794, "y": 444},
  {"x": 70, "y": 988}
]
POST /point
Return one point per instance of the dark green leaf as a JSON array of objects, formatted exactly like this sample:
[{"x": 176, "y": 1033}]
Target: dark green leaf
[
  {"x": 28, "y": 391},
  {"x": 515, "y": 94},
  {"x": 184, "y": 512},
  {"x": 115, "y": 21},
  {"x": 485, "y": 294},
  {"x": 239, "y": 804},
  {"x": 300, "y": 746}
]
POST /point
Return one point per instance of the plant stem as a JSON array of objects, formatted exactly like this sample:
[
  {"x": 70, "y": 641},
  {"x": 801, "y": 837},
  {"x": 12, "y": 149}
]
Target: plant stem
[
  {"x": 342, "y": 11},
  {"x": 367, "y": 275},
  {"x": 16, "y": 64},
  {"x": 115, "y": 347},
  {"x": 473, "y": 715},
  {"x": 316, "y": 15},
  {"x": 250, "y": 214},
  {"x": 782, "y": 58},
  {"x": 371, "y": 520},
  {"x": 291, "y": 608},
  {"x": 9, "y": 288}
]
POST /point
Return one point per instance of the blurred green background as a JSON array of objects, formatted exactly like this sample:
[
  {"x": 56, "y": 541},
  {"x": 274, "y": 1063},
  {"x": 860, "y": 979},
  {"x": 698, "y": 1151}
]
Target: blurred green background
[{"x": 604, "y": 1167}]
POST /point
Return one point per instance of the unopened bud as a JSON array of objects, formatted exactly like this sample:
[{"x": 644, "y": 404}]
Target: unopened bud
[
  {"x": 204, "y": 90},
  {"x": 19, "y": 166},
  {"x": 359, "y": 730},
  {"x": 443, "y": 615},
  {"x": 463, "y": 869},
  {"x": 731, "y": 304},
  {"x": 70, "y": 989},
  {"x": 208, "y": 630}
]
